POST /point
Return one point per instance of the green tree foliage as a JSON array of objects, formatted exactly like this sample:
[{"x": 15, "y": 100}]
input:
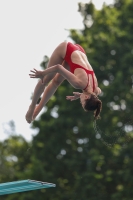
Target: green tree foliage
[
  {"x": 85, "y": 160},
  {"x": 14, "y": 160}
]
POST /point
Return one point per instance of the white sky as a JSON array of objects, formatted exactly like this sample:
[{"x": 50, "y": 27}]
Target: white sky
[{"x": 30, "y": 29}]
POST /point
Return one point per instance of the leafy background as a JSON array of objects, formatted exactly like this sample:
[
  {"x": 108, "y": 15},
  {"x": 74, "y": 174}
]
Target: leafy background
[{"x": 85, "y": 160}]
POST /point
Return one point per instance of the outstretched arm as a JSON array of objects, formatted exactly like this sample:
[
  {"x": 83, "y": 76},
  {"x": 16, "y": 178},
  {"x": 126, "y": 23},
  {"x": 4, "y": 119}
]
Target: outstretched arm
[{"x": 71, "y": 78}]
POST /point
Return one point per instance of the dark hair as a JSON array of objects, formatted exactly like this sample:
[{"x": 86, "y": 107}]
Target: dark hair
[{"x": 93, "y": 104}]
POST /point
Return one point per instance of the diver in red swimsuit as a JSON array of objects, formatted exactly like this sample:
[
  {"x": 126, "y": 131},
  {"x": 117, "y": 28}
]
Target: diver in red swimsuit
[
  {"x": 70, "y": 49},
  {"x": 68, "y": 61}
]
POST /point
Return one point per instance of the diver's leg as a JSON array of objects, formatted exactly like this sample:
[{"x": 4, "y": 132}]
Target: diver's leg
[
  {"x": 48, "y": 92},
  {"x": 56, "y": 58}
]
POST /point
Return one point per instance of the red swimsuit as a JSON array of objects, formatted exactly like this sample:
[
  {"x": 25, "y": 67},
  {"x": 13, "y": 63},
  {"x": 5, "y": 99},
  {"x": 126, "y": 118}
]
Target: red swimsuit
[{"x": 70, "y": 49}]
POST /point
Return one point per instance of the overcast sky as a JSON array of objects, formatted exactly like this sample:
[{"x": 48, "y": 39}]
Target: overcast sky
[{"x": 30, "y": 29}]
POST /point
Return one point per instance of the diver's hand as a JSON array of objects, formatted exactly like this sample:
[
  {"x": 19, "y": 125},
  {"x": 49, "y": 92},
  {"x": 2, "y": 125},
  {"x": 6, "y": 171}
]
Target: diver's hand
[
  {"x": 72, "y": 98},
  {"x": 37, "y": 74}
]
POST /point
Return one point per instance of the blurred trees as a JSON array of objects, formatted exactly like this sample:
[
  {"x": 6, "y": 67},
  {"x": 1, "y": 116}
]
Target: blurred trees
[{"x": 85, "y": 160}]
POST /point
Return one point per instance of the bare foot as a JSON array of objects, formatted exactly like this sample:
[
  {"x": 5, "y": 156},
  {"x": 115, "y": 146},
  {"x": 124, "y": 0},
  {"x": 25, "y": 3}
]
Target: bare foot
[{"x": 29, "y": 114}]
